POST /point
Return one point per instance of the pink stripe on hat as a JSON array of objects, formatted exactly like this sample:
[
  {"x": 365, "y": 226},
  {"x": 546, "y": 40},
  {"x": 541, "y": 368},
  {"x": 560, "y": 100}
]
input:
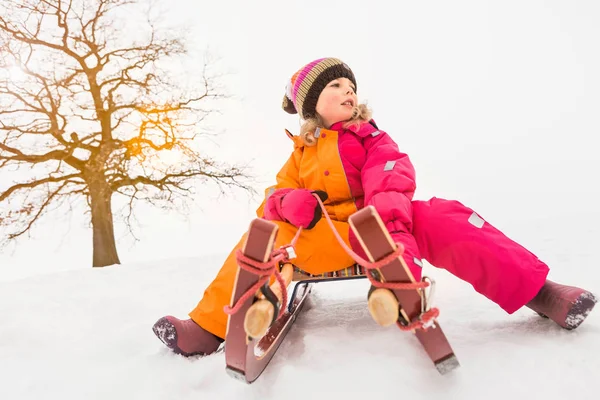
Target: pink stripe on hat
[{"x": 302, "y": 76}]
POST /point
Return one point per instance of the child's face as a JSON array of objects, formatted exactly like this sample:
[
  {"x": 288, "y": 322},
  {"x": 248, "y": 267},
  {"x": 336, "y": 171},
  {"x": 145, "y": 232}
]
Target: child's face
[{"x": 337, "y": 101}]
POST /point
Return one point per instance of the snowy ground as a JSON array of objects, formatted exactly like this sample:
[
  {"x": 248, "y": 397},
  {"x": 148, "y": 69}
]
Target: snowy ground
[{"x": 86, "y": 334}]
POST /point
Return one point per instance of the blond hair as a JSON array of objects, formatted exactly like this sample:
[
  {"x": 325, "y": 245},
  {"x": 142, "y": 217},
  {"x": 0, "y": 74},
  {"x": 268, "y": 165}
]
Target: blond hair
[{"x": 360, "y": 114}]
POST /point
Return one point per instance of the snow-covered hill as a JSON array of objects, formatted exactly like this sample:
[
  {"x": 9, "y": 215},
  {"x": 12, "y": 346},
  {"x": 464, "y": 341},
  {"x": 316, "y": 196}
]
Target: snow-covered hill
[{"x": 86, "y": 334}]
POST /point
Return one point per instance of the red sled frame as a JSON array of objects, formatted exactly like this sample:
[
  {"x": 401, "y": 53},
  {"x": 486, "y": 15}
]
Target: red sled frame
[{"x": 247, "y": 358}]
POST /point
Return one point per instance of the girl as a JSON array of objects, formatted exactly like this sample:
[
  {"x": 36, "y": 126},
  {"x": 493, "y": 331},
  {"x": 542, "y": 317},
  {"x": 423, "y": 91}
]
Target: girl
[{"x": 342, "y": 155}]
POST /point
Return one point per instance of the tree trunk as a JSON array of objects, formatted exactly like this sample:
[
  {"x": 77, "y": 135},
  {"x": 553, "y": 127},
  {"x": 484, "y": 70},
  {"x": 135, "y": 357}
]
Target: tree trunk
[{"x": 105, "y": 248}]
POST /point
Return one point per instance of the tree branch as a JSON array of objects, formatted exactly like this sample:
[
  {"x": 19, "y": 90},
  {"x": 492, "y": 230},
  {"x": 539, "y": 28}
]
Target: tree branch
[
  {"x": 55, "y": 155},
  {"x": 33, "y": 184}
]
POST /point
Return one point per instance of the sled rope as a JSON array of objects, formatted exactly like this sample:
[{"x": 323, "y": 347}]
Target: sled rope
[
  {"x": 264, "y": 271},
  {"x": 426, "y": 319}
]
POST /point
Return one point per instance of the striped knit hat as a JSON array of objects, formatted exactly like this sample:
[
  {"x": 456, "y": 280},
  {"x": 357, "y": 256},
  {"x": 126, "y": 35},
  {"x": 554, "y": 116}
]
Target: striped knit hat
[{"x": 304, "y": 88}]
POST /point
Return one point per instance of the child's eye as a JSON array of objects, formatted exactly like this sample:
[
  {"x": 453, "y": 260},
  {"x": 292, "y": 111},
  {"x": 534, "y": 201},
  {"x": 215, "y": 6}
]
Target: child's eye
[{"x": 335, "y": 84}]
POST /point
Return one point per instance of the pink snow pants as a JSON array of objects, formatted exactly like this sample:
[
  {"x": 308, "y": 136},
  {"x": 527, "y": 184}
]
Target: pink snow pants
[{"x": 452, "y": 236}]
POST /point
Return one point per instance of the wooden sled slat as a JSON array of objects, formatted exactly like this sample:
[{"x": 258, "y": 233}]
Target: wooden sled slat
[
  {"x": 378, "y": 243},
  {"x": 247, "y": 358}
]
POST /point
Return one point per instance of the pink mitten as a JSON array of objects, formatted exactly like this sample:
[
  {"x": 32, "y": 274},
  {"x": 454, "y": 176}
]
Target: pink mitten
[
  {"x": 297, "y": 206},
  {"x": 301, "y": 209}
]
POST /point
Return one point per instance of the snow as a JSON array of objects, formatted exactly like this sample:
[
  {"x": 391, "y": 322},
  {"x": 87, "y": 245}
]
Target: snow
[{"x": 87, "y": 334}]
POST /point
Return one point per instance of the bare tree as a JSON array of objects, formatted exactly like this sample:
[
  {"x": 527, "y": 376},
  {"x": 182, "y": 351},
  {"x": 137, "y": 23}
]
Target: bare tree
[{"x": 90, "y": 115}]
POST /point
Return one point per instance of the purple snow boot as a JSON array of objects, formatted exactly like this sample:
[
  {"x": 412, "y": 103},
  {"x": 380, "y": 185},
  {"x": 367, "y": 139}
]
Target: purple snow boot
[
  {"x": 568, "y": 306},
  {"x": 186, "y": 337}
]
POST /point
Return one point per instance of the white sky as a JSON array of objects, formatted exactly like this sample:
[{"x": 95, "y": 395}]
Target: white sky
[{"x": 495, "y": 102}]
